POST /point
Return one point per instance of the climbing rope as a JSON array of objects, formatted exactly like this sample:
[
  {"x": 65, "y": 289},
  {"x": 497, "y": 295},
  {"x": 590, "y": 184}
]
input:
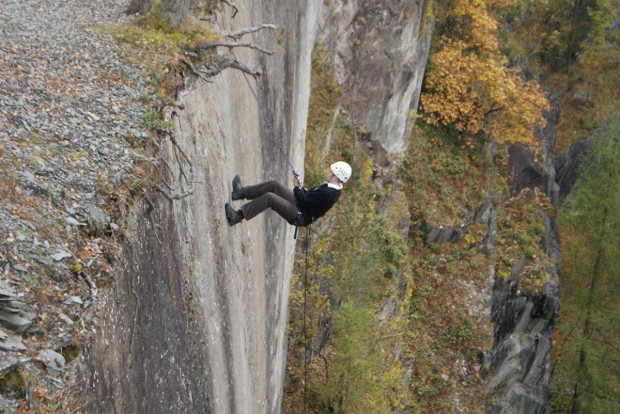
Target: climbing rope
[
  {"x": 284, "y": 151},
  {"x": 279, "y": 143},
  {"x": 305, "y": 331},
  {"x": 267, "y": 121},
  {"x": 274, "y": 132}
]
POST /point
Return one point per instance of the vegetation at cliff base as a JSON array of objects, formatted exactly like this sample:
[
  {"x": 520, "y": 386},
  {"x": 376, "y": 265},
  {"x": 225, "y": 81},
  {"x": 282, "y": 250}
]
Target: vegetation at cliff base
[{"x": 573, "y": 45}]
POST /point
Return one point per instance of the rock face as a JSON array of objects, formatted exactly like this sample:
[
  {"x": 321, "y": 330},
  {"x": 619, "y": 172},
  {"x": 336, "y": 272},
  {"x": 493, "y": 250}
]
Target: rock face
[
  {"x": 567, "y": 166},
  {"x": 197, "y": 321},
  {"x": 13, "y": 321},
  {"x": 520, "y": 359},
  {"x": 380, "y": 50},
  {"x": 521, "y": 362}
]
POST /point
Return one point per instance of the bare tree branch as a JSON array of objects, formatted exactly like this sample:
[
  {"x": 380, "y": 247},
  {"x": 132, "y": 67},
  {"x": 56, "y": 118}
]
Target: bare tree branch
[
  {"x": 185, "y": 157},
  {"x": 183, "y": 173},
  {"x": 493, "y": 109},
  {"x": 235, "y": 9},
  {"x": 316, "y": 351},
  {"x": 175, "y": 196},
  {"x": 239, "y": 33},
  {"x": 183, "y": 162},
  {"x": 215, "y": 69},
  {"x": 193, "y": 69},
  {"x": 212, "y": 65},
  {"x": 236, "y": 44}
]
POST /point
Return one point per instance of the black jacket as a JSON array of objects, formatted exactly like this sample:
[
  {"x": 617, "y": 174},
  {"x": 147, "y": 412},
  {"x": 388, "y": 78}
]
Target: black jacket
[{"x": 314, "y": 203}]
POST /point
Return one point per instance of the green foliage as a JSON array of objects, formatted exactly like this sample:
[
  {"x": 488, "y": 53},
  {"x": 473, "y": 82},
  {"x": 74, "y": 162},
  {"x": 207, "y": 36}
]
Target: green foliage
[
  {"x": 457, "y": 334},
  {"x": 586, "y": 378},
  {"x": 152, "y": 120},
  {"x": 356, "y": 382},
  {"x": 373, "y": 252}
]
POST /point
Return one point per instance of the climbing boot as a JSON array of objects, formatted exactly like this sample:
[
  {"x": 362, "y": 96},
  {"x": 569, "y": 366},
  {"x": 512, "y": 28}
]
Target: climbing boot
[
  {"x": 233, "y": 216},
  {"x": 238, "y": 193}
]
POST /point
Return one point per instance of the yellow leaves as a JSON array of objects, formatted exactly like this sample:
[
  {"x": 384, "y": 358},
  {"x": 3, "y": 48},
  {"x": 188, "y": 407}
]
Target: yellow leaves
[
  {"x": 469, "y": 240},
  {"x": 504, "y": 273},
  {"x": 367, "y": 171},
  {"x": 469, "y": 85},
  {"x": 523, "y": 104}
]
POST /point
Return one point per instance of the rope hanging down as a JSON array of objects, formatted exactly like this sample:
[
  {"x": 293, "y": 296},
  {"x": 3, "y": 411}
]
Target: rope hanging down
[
  {"x": 279, "y": 144},
  {"x": 283, "y": 150},
  {"x": 307, "y": 241},
  {"x": 275, "y": 134},
  {"x": 305, "y": 329}
]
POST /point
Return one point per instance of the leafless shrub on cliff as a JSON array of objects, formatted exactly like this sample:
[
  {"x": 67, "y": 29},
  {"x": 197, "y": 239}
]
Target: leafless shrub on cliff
[{"x": 211, "y": 65}]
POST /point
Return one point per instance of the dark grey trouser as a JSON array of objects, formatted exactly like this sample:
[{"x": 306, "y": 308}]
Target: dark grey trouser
[{"x": 270, "y": 194}]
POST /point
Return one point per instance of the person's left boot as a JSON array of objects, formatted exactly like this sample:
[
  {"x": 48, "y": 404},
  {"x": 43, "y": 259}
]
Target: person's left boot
[
  {"x": 233, "y": 216},
  {"x": 238, "y": 193}
]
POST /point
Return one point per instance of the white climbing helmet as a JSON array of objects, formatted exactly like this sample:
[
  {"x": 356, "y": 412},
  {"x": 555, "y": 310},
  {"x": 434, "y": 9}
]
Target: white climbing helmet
[{"x": 342, "y": 170}]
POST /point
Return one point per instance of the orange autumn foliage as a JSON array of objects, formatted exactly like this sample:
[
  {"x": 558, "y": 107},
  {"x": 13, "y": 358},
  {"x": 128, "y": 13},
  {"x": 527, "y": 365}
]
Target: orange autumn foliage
[{"x": 469, "y": 84}]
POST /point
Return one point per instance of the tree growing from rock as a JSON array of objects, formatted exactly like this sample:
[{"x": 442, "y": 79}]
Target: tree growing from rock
[{"x": 194, "y": 44}]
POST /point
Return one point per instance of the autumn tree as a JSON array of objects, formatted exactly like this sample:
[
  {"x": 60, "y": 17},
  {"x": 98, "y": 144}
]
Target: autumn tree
[{"x": 469, "y": 84}]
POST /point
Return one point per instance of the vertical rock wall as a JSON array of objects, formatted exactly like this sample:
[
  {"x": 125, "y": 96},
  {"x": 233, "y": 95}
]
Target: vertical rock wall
[
  {"x": 197, "y": 319},
  {"x": 521, "y": 358}
]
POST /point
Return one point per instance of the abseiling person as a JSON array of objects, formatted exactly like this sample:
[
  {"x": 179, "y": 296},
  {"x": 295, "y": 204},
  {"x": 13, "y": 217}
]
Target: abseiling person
[{"x": 299, "y": 206}]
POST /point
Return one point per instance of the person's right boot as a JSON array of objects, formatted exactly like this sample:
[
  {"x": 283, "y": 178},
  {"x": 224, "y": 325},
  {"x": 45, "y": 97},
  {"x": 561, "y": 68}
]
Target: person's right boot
[
  {"x": 238, "y": 193},
  {"x": 233, "y": 216}
]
